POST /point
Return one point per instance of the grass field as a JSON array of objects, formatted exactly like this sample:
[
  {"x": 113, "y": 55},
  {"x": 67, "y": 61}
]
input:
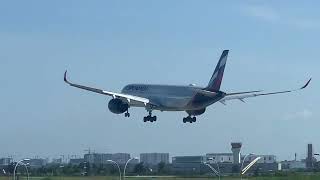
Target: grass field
[{"x": 291, "y": 177}]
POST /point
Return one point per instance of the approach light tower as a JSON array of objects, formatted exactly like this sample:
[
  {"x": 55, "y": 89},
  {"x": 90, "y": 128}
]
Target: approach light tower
[{"x": 236, "y": 147}]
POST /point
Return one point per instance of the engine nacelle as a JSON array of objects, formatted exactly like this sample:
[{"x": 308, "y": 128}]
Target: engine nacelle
[
  {"x": 196, "y": 112},
  {"x": 117, "y": 106}
]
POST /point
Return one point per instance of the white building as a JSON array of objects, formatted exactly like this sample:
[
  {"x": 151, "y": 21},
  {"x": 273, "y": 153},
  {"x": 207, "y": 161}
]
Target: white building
[
  {"x": 268, "y": 159},
  {"x": 154, "y": 158},
  {"x": 219, "y": 158},
  {"x": 228, "y": 158}
]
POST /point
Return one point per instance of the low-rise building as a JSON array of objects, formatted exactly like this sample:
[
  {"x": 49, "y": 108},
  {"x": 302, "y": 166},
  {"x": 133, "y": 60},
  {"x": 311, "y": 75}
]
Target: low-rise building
[
  {"x": 102, "y": 158},
  {"x": 188, "y": 164},
  {"x": 97, "y": 158},
  {"x": 120, "y": 158},
  {"x": 36, "y": 163},
  {"x": 269, "y": 159},
  {"x": 293, "y": 165},
  {"x": 5, "y": 161},
  {"x": 154, "y": 158}
]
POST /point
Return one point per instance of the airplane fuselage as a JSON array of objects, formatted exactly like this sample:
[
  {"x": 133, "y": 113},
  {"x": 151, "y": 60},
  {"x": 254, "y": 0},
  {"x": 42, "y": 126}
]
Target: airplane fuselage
[{"x": 171, "y": 97}]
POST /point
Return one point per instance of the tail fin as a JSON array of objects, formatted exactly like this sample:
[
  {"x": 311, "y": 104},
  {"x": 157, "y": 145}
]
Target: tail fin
[{"x": 216, "y": 79}]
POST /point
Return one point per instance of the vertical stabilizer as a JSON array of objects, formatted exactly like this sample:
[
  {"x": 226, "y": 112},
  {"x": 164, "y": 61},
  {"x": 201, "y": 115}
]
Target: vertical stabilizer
[{"x": 216, "y": 79}]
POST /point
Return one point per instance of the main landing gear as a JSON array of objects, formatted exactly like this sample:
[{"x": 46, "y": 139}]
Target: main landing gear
[
  {"x": 189, "y": 119},
  {"x": 127, "y": 114},
  {"x": 150, "y": 117}
]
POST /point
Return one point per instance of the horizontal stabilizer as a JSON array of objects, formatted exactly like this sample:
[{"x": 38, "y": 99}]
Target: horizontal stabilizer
[{"x": 247, "y": 92}]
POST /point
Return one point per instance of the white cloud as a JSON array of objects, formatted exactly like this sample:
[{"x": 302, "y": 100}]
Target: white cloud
[
  {"x": 271, "y": 15},
  {"x": 306, "y": 23},
  {"x": 303, "y": 115},
  {"x": 262, "y": 12}
]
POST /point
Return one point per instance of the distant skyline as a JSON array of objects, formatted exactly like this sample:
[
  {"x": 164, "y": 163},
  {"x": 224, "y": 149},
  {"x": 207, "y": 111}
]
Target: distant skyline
[
  {"x": 274, "y": 45},
  {"x": 67, "y": 157}
]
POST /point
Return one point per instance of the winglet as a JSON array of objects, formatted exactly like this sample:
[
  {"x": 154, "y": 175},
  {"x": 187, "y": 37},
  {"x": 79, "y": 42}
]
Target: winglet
[
  {"x": 65, "y": 77},
  {"x": 306, "y": 84}
]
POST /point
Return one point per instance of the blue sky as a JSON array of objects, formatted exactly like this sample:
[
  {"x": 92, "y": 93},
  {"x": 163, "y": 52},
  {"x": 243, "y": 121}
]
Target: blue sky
[{"x": 273, "y": 45}]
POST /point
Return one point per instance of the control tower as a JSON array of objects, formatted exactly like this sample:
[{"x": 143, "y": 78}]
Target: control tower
[{"x": 236, "y": 147}]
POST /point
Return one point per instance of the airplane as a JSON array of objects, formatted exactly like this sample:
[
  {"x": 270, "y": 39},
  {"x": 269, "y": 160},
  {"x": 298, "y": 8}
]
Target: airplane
[{"x": 192, "y": 99}]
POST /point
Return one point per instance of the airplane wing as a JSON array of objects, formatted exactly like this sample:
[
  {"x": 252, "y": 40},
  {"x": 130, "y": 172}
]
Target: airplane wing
[
  {"x": 125, "y": 97},
  {"x": 242, "y": 95}
]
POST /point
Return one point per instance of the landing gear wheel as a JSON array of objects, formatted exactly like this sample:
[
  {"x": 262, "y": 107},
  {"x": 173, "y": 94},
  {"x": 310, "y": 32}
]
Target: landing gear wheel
[
  {"x": 150, "y": 118},
  {"x": 127, "y": 114},
  {"x": 189, "y": 119},
  {"x": 194, "y": 119}
]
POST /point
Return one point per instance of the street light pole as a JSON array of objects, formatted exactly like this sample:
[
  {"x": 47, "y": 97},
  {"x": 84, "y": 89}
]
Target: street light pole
[
  {"x": 218, "y": 169},
  {"x": 124, "y": 170},
  {"x": 15, "y": 168},
  {"x": 245, "y": 157},
  {"x": 25, "y": 165},
  {"x": 117, "y": 166},
  {"x": 61, "y": 172}
]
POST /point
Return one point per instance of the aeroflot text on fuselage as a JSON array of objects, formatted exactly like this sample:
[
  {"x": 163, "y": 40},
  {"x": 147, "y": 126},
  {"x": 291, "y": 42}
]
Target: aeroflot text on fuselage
[{"x": 136, "y": 88}]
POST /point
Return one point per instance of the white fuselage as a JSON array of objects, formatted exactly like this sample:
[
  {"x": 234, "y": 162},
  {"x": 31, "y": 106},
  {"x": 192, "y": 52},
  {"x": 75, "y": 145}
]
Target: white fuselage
[{"x": 171, "y": 98}]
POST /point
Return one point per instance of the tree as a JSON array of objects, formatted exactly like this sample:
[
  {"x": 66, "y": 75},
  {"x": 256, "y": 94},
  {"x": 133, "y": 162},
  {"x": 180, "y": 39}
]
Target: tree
[
  {"x": 139, "y": 168},
  {"x": 161, "y": 167},
  {"x": 11, "y": 167}
]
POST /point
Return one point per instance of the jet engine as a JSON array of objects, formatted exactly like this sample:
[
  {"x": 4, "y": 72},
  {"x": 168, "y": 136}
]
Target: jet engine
[
  {"x": 117, "y": 106},
  {"x": 196, "y": 112}
]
